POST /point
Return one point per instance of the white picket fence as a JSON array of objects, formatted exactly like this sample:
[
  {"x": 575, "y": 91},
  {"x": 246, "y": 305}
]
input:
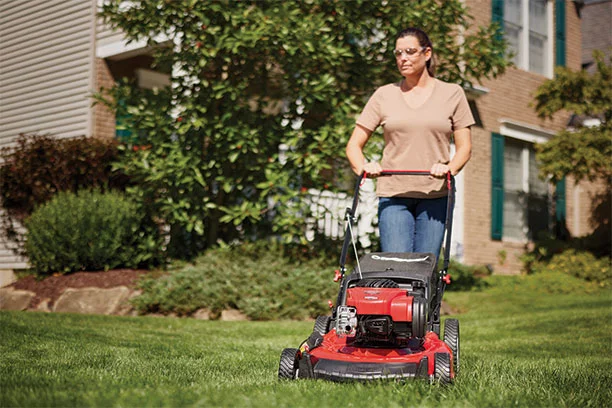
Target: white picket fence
[{"x": 328, "y": 212}]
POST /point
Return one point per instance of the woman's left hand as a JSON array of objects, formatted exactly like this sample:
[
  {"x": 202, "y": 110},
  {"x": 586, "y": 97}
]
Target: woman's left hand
[{"x": 439, "y": 170}]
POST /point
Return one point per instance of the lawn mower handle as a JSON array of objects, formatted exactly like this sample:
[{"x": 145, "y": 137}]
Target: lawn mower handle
[{"x": 448, "y": 224}]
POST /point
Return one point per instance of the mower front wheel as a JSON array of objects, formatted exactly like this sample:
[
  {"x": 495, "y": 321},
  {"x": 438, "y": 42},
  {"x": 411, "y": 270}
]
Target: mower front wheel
[
  {"x": 442, "y": 368},
  {"x": 451, "y": 338},
  {"x": 288, "y": 365}
]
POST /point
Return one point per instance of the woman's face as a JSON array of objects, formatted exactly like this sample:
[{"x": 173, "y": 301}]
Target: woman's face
[{"x": 411, "y": 58}]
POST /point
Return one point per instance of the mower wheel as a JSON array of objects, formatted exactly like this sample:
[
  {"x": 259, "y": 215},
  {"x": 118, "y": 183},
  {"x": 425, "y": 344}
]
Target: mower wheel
[
  {"x": 442, "y": 367},
  {"x": 321, "y": 325},
  {"x": 288, "y": 366},
  {"x": 451, "y": 338},
  {"x": 419, "y": 317}
]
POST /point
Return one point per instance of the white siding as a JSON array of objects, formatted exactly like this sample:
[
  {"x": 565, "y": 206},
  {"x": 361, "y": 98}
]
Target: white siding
[
  {"x": 105, "y": 35},
  {"x": 46, "y": 75},
  {"x": 46, "y": 67}
]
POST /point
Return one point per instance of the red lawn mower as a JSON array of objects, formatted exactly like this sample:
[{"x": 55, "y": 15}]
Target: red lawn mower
[{"x": 386, "y": 323}]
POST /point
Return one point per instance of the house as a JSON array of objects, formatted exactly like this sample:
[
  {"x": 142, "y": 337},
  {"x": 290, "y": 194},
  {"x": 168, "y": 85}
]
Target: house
[{"x": 53, "y": 54}]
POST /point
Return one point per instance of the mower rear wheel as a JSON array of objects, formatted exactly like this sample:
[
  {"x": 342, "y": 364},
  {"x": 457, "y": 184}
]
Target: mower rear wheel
[
  {"x": 442, "y": 367},
  {"x": 321, "y": 325},
  {"x": 451, "y": 338},
  {"x": 288, "y": 366},
  {"x": 419, "y": 317}
]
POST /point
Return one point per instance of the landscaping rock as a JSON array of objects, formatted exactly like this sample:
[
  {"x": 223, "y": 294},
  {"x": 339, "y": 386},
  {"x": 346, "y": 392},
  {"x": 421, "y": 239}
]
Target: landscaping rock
[
  {"x": 11, "y": 299},
  {"x": 7, "y": 277},
  {"x": 233, "y": 315},
  {"x": 201, "y": 314},
  {"x": 126, "y": 308},
  {"x": 43, "y": 306},
  {"x": 92, "y": 300}
]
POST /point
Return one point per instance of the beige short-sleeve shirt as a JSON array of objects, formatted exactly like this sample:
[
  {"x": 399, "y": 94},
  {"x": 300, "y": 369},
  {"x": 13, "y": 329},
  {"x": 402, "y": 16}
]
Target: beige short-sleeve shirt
[{"x": 415, "y": 138}]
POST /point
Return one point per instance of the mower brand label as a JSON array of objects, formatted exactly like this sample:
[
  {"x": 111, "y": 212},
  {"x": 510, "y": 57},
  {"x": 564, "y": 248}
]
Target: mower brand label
[{"x": 386, "y": 258}]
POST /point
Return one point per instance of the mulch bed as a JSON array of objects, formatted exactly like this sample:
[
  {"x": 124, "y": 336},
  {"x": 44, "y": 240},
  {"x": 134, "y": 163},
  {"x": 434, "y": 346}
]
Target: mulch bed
[{"x": 53, "y": 286}]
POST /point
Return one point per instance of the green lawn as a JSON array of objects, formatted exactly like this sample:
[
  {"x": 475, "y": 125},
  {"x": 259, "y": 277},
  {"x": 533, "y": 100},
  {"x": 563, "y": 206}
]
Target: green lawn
[{"x": 521, "y": 346}]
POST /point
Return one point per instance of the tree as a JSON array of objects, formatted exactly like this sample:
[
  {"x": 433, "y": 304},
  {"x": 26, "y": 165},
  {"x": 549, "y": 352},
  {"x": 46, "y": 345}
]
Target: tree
[
  {"x": 584, "y": 151},
  {"x": 250, "y": 76}
]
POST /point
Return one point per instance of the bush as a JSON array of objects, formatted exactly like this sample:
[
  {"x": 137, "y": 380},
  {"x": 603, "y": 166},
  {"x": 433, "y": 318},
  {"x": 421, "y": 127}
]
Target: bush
[
  {"x": 466, "y": 277},
  {"x": 581, "y": 264},
  {"x": 90, "y": 231},
  {"x": 261, "y": 281},
  {"x": 41, "y": 166}
]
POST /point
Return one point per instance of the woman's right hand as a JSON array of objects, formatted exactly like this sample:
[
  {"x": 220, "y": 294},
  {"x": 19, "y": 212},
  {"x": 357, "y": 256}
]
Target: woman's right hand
[{"x": 372, "y": 169}]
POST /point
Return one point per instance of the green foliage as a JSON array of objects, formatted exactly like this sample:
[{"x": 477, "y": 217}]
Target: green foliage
[
  {"x": 583, "y": 152},
  {"x": 88, "y": 231},
  {"x": 253, "y": 76},
  {"x": 466, "y": 277},
  {"x": 40, "y": 166},
  {"x": 580, "y": 264},
  {"x": 261, "y": 281},
  {"x": 546, "y": 282}
]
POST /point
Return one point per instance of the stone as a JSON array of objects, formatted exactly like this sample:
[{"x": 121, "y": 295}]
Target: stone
[
  {"x": 233, "y": 315},
  {"x": 7, "y": 276},
  {"x": 201, "y": 314},
  {"x": 92, "y": 300},
  {"x": 11, "y": 299},
  {"x": 126, "y": 308},
  {"x": 43, "y": 306}
]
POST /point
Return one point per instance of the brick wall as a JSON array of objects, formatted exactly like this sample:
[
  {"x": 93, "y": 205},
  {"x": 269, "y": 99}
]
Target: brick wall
[{"x": 104, "y": 119}]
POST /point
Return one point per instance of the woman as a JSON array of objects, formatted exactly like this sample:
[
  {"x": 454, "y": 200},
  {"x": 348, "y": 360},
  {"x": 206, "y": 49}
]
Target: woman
[{"x": 419, "y": 115}]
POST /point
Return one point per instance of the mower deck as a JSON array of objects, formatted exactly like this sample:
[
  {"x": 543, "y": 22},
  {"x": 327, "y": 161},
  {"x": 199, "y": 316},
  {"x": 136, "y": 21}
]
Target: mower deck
[{"x": 336, "y": 360}]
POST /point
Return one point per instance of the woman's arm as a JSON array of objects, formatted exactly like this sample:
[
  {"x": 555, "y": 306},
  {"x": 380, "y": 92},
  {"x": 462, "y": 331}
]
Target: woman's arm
[
  {"x": 354, "y": 152},
  {"x": 463, "y": 152}
]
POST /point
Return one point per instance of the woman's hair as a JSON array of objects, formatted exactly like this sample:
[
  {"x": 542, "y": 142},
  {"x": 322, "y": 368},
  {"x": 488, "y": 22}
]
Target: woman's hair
[{"x": 424, "y": 41}]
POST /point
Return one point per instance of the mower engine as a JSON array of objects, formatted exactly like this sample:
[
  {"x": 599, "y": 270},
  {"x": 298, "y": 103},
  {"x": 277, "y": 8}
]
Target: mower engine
[{"x": 381, "y": 316}]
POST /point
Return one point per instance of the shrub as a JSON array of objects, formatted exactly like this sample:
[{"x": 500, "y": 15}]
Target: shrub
[
  {"x": 90, "y": 230},
  {"x": 40, "y": 166},
  {"x": 466, "y": 277},
  {"x": 581, "y": 264},
  {"x": 261, "y": 281}
]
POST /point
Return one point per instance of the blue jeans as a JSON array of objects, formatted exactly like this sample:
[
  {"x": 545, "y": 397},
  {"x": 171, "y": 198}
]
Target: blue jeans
[{"x": 411, "y": 224}]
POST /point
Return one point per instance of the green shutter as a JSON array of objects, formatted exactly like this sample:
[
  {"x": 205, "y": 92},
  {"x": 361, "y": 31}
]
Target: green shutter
[
  {"x": 497, "y": 186},
  {"x": 560, "y": 203},
  {"x": 121, "y": 131},
  {"x": 560, "y": 33},
  {"x": 497, "y": 9},
  {"x": 560, "y": 214}
]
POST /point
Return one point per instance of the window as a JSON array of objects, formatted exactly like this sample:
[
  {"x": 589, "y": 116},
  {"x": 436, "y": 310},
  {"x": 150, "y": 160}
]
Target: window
[
  {"x": 528, "y": 30},
  {"x": 527, "y": 198},
  {"x": 522, "y": 205}
]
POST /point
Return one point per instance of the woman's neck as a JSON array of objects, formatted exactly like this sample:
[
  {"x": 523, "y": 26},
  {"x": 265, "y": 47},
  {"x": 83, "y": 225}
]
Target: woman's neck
[{"x": 421, "y": 81}]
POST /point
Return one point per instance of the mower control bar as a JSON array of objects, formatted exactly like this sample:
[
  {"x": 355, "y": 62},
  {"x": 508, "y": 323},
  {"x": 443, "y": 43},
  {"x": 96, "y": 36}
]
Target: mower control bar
[{"x": 350, "y": 212}]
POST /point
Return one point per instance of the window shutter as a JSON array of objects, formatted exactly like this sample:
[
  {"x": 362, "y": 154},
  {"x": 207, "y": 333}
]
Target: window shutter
[
  {"x": 560, "y": 33},
  {"x": 560, "y": 203},
  {"x": 560, "y": 214},
  {"x": 497, "y": 186},
  {"x": 497, "y": 9},
  {"x": 121, "y": 132}
]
